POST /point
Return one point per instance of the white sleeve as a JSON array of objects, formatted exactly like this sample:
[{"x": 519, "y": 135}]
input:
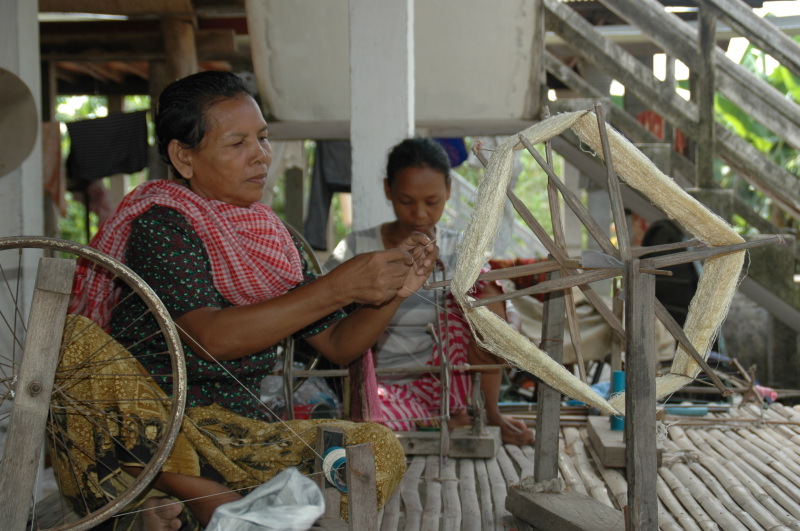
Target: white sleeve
[{"x": 345, "y": 250}]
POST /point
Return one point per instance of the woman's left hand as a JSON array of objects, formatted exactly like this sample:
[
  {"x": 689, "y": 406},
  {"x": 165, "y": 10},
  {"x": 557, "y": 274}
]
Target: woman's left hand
[
  {"x": 513, "y": 431},
  {"x": 425, "y": 253}
]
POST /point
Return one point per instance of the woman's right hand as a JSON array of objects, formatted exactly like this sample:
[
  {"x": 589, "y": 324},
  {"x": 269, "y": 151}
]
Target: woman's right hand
[{"x": 371, "y": 278}]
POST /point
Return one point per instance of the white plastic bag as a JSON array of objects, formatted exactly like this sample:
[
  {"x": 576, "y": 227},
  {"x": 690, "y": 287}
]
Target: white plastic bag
[{"x": 288, "y": 502}]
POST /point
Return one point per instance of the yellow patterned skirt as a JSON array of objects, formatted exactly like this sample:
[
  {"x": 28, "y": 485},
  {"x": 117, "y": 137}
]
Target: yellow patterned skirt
[{"x": 214, "y": 443}]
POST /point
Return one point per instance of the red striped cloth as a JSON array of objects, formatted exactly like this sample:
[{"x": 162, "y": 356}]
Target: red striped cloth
[
  {"x": 253, "y": 257},
  {"x": 407, "y": 407}
]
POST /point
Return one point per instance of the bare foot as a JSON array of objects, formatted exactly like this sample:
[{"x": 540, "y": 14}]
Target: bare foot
[{"x": 160, "y": 514}]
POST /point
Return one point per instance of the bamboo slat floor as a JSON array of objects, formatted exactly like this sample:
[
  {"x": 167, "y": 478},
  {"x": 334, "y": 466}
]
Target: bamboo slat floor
[{"x": 733, "y": 470}]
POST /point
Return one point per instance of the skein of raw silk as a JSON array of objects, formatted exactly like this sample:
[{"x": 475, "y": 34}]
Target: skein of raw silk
[
  {"x": 706, "y": 312},
  {"x": 477, "y": 245},
  {"x": 720, "y": 275}
]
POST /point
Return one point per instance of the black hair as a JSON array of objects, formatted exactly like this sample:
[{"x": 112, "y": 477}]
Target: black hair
[
  {"x": 182, "y": 106},
  {"x": 418, "y": 152}
]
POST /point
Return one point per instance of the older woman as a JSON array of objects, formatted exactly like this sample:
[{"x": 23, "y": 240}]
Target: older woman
[{"x": 235, "y": 284}]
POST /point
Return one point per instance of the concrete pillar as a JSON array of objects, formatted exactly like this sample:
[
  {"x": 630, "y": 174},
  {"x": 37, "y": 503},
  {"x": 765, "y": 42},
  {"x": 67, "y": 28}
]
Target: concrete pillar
[
  {"x": 21, "y": 210},
  {"x": 381, "y": 98}
]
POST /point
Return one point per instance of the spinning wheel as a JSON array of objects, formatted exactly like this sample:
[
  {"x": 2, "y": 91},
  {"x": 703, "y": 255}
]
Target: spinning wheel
[
  {"x": 42, "y": 394},
  {"x": 723, "y": 249},
  {"x": 723, "y": 252}
]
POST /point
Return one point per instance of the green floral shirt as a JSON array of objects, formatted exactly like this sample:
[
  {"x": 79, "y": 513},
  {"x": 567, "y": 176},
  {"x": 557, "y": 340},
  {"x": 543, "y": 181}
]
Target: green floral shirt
[{"x": 168, "y": 254}]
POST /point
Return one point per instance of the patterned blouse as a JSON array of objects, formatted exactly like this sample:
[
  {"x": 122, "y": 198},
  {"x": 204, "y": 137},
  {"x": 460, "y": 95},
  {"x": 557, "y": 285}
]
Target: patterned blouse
[{"x": 168, "y": 254}]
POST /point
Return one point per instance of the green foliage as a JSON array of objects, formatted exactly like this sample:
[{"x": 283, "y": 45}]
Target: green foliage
[
  {"x": 531, "y": 186},
  {"x": 768, "y": 143}
]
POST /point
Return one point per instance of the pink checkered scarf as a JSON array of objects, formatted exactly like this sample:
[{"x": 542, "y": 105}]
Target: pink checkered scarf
[{"x": 253, "y": 257}]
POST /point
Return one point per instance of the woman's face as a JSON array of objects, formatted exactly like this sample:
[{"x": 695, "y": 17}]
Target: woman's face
[
  {"x": 232, "y": 160},
  {"x": 418, "y": 196}
]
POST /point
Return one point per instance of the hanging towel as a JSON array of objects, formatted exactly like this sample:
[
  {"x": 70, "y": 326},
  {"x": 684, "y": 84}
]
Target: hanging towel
[{"x": 105, "y": 146}]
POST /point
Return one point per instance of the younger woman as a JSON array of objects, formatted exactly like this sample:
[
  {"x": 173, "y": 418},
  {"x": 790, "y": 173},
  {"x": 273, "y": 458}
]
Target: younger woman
[{"x": 418, "y": 185}]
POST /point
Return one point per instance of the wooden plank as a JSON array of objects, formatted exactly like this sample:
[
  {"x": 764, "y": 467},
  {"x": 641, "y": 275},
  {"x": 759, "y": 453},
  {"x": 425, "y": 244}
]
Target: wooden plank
[
  {"x": 462, "y": 442},
  {"x": 570, "y": 474},
  {"x": 327, "y": 437},
  {"x": 755, "y": 96},
  {"x": 565, "y": 511},
  {"x": 523, "y": 462},
  {"x": 391, "y": 513},
  {"x": 117, "y": 7},
  {"x": 485, "y": 491},
  {"x": 507, "y": 467},
  {"x": 432, "y": 513},
  {"x": 624, "y": 67},
  {"x": 53, "y": 511},
  {"x": 609, "y": 444},
  {"x": 529, "y": 452},
  {"x": 470, "y": 508},
  {"x": 451, "y": 520},
  {"x": 26, "y": 425},
  {"x": 409, "y": 492},
  {"x": 548, "y": 407},
  {"x": 761, "y": 32},
  {"x": 606, "y": 442},
  {"x": 640, "y": 396},
  {"x": 744, "y": 90},
  {"x": 362, "y": 487},
  {"x": 499, "y": 489}
]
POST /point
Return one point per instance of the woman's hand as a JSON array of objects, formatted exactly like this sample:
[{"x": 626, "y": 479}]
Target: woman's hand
[
  {"x": 424, "y": 252},
  {"x": 512, "y": 431},
  {"x": 372, "y": 278}
]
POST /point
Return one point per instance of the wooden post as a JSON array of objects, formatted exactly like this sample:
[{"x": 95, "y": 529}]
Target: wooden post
[
  {"x": 294, "y": 184},
  {"x": 23, "y": 446},
  {"x": 548, "y": 407},
  {"x": 179, "y": 43},
  {"x": 362, "y": 506},
  {"x": 157, "y": 80},
  {"x": 705, "y": 80},
  {"x": 640, "y": 394}
]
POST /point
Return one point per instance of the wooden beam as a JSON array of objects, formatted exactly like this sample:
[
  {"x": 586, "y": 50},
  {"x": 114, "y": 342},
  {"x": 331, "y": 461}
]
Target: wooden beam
[
  {"x": 753, "y": 95},
  {"x": 565, "y": 511},
  {"x": 117, "y": 7},
  {"x": 761, "y": 32},
  {"x": 133, "y": 46},
  {"x": 178, "y": 32},
  {"x": 704, "y": 159},
  {"x": 624, "y": 67},
  {"x": 34, "y": 386},
  {"x": 744, "y": 163},
  {"x": 775, "y": 182}
]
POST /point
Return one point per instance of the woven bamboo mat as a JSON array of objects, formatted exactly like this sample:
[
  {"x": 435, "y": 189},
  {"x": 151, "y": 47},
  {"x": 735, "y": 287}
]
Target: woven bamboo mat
[{"x": 734, "y": 470}]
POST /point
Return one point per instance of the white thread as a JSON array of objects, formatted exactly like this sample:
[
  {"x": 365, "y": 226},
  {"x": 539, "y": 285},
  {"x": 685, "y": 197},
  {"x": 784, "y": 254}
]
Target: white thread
[{"x": 333, "y": 464}]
